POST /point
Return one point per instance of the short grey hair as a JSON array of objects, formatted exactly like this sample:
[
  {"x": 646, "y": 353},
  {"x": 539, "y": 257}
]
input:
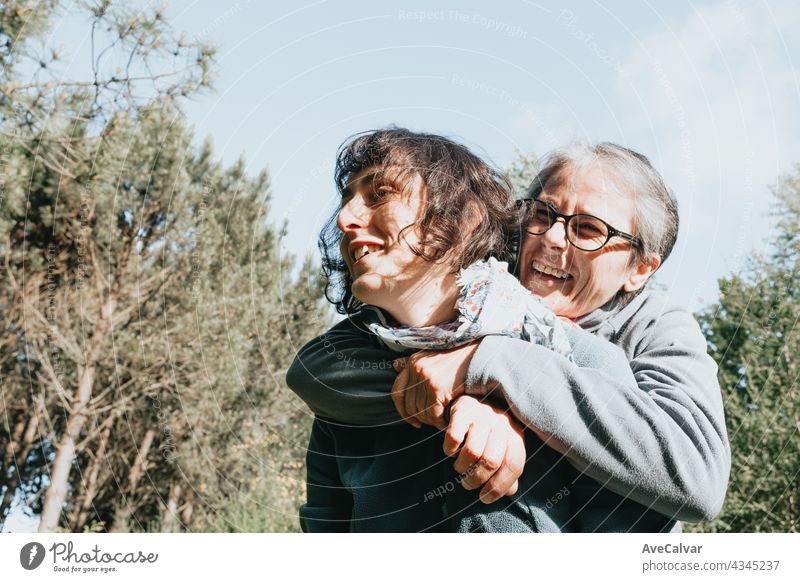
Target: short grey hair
[{"x": 655, "y": 219}]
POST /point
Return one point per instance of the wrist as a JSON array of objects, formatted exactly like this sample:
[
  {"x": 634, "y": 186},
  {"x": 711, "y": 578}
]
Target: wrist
[{"x": 480, "y": 390}]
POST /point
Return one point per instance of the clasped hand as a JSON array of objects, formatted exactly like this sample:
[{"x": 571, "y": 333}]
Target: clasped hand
[{"x": 488, "y": 442}]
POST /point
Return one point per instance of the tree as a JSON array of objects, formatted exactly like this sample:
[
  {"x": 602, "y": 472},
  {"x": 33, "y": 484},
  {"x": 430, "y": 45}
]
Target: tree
[
  {"x": 522, "y": 171},
  {"x": 148, "y": 311},
  {"x": 753, "y": 335}
]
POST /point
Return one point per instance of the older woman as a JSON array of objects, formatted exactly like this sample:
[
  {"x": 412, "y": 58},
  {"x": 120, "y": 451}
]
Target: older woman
[
  {"x": 642, "y": 451},
  {"x": 646, "y": 453}
]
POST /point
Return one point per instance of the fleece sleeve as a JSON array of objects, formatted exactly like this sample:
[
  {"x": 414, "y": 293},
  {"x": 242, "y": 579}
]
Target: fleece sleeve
[
  {"x": 599, "y": 355},
  {"x": 658, "y": 438},
  {"x": 329, "y": 506},
  {"x": 344, "y": 374}
]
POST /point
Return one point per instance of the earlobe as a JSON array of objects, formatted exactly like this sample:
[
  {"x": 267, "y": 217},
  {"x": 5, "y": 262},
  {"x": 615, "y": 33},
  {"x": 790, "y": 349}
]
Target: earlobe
[{"x": 639, "y": 276}]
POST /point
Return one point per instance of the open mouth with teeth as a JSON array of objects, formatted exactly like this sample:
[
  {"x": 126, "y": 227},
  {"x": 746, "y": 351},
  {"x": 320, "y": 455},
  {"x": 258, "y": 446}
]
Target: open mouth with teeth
[
  {"x": 549, "y": 272},
  {"x": 364, "y": 250}
]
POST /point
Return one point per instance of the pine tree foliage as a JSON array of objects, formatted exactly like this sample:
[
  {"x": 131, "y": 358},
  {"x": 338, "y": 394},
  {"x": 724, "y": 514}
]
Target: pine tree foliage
[
  {"x": 521, "y": 172},
  {"x": 148, "y": 312},
  {"x": 753, "y": 335}
]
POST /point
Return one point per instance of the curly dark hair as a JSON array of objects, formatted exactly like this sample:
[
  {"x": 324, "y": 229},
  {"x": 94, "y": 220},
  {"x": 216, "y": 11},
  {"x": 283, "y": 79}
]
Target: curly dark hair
[{"x": 460, "y": 189}]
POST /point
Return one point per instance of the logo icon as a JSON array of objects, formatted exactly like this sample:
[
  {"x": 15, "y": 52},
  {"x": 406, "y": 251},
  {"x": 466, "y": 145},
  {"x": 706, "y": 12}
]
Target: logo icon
[{"x": 31, "y": 555}]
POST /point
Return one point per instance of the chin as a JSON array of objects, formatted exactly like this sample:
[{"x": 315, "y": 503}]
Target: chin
[
  {"x": 361, "y": 294},
  {"x": 364, "y": 291}
]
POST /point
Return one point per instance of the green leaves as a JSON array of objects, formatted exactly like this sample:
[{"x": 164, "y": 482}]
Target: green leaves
[
  {"x": 130, "y": 251},
  {"x": 522, "y": 172},
  {"x": 753, "y": 335}
]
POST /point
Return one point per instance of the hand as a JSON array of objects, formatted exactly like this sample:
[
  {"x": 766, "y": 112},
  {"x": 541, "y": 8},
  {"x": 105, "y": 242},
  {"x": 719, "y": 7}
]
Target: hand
[
  {"x": 493, "y": 452},
  {"x": 428, "y": 382}
]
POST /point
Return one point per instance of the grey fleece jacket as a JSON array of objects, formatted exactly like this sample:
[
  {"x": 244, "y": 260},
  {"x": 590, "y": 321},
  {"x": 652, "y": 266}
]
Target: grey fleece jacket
[
  {"x": 643, "y": 449},
  {"x": 660, "y": 440}
]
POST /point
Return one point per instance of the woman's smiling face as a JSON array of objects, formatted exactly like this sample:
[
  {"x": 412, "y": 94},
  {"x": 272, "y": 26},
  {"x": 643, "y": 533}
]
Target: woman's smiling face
[
  {"x": 570, "y": 281},
  {"x": 378, "y": 220}
]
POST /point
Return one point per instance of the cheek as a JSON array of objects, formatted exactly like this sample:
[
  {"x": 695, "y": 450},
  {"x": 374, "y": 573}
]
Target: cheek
[
  {"x": 528, "y": 243},
  {"x": 606, "y": 276},
  {"x": 408, "y": 265},
  {"x": 524, "y": 259},
  {"x": 527, "y": 250},
  {"x": 345, "y": 255}
]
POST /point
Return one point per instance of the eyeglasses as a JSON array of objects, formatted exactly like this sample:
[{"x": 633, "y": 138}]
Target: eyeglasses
[{"x": 584, "y": 231}]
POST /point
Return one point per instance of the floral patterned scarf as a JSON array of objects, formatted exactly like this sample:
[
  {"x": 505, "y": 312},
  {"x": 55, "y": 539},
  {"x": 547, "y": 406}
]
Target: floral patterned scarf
[{"x": 491, "y": 302}]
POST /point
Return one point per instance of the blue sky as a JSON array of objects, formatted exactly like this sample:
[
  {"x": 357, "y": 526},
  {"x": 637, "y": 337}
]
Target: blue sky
[{"x": 708, "y": 90}]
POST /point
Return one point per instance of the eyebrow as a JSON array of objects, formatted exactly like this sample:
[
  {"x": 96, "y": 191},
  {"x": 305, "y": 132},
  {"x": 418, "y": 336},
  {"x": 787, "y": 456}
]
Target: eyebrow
[
  {"x": 542, "y": 198},
  {"x": 348, "y": 190},
  {"x": 589, "y": 212}
]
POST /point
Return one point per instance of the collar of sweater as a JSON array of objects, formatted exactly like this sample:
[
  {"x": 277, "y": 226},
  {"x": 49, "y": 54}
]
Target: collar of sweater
[{"x": 613, "y": 314}]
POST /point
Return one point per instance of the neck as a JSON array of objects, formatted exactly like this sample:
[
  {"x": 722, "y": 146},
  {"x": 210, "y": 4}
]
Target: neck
[{"x": 426, "y": 303}]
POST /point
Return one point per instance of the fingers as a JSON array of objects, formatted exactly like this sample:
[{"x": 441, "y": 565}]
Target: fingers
[
  {"x": 435, "y": 416},
  {"x": 505, "y": 480},
  {"x": 493, "y": 452},
  {"x": 398, "y": 393},
  {"x": 436, "y": 376},
  {"x": 472, "y": 452},
  {"x": 429, "y": 409},
  {"x": 457, "y": 429},
  {"x": 416, "y": 398},
  {"x": 489, "y": 494},
  {"x": 489, "y": 463},
  {"x": 416, "y": 401},
  {"x": 399, "y": 396}
]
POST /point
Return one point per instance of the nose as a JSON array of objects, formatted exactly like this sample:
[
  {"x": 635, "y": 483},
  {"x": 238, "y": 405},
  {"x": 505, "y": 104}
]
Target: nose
[
  {"x": 556, "y": 235},
  {"x": 353, "y": 215}
]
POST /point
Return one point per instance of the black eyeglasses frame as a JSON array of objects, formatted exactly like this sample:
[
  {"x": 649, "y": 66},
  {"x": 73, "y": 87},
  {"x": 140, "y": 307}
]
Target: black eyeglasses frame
[{"x": 555, "y": 215}]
